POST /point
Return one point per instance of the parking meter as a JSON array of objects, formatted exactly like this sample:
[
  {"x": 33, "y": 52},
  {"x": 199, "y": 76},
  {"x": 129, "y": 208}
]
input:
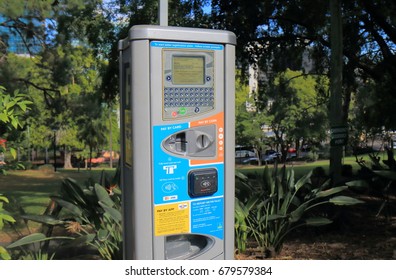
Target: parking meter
[{"x": 177, "y": 122}]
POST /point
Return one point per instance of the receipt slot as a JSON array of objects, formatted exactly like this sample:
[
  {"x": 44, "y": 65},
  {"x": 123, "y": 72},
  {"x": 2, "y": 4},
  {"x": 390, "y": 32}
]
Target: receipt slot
[{"x": 177, "y": 121}]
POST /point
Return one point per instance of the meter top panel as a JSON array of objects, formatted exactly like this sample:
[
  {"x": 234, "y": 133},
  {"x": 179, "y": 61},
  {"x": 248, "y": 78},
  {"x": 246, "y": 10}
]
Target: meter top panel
[
  {"x": 184, "y": 62},
  {"x": 188, "y": 74},
  {"x": 154, "y": 32}
]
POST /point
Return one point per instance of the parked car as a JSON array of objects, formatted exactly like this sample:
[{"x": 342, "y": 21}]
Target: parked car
[
  {"x": 243, "y": 155},
  {"x": 251, "y": 160},
  {"x": 270, "y": 156}
]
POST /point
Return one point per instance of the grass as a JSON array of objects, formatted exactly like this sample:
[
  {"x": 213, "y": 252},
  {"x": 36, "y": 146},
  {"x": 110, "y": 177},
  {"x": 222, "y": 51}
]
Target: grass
[
  {"x": 302, "y": 168},
  {"x": 30, "y": 190}
]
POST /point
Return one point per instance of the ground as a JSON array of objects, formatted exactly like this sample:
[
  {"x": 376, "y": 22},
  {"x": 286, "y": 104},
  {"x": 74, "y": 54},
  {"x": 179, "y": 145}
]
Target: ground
[{"x": 357, "y": 234}]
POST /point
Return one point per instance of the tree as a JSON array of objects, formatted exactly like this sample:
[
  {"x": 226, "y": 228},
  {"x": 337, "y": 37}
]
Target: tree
[
  {"x": 277, "y": 35},
  {"x": 64, "y": 85},
  {"x": 292, "y": 107},
  {"x": 247, "y": 127},
  {"x": 92, "y": 134},
  {"x": 73, "y": 60}
]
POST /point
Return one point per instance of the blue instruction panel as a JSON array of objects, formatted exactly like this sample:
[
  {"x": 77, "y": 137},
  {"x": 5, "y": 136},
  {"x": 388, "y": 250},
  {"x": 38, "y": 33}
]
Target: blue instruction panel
[{"x": 175, "y": 210}]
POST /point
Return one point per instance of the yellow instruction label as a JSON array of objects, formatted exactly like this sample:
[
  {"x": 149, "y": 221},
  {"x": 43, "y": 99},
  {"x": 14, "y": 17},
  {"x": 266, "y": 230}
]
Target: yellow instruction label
[{"x": 172, "y": 218}]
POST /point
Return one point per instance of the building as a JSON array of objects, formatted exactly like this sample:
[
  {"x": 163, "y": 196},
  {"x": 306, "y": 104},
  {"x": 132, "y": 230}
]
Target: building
[{"x": 13, "y": 40}]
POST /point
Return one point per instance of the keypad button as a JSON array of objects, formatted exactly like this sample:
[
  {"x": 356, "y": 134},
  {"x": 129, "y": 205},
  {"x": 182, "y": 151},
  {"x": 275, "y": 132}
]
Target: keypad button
[{"x": 195, "y": 97}]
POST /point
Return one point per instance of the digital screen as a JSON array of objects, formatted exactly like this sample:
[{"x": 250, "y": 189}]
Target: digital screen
[{"x": 188, "y": 70}]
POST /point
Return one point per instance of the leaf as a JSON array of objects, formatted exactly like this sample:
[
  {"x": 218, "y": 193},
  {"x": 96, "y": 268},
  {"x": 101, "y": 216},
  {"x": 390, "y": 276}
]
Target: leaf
[
  {"x": 68, "y": 206},
  {"x": 275, "y": 217},
  {"x": 102, "y": 235},
  {"x": 34, "y": 238},
  {"x": 344, "y": 200},
  {"x": 44, "y": 219},
  {"x": 84, "y": 239},
  {"x": 14, "y": 122},
  {"x": 3, "y": 198},
  {"x": 3, "y": 118},
  {"x": 114, "y": 213},
  {"x": 74, "y": 192},
  {"x": 391, "y": 175},
  {"x": 268, "y": 182},
  {"x": 331, "y": 191},
  {"x": 6, "y": 217},
  {"x": 103, "y": 195},
  {"x": 358, "y": 184},
  {"x": 240, "y": 211},
  {"x": 304, "y": 180},
  {"x": 241, "y": 176},
  {"x": 317, "y": 221},
  {"x": 13, "y": 153},
  {"x": 22, "y": 106},
  {"x": 4, "y": 254},
  {"x": 297, "y": 214},
  {"x": 291, "y": 179}
]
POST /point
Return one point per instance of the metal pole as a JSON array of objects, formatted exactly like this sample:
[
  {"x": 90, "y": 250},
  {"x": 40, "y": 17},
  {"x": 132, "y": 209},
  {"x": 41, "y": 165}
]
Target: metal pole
[
  {"x": 163, "y": 12},
  {"x": 336, "y": 118}
]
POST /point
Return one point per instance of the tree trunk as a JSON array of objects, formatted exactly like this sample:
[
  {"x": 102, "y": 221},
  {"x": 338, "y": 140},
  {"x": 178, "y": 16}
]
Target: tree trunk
[
  {"x": 336, "y": 66},
  {"x": 111, "y": 140},
  {"x": 46, "y": 156},
  {"x": 90, "y": 158},
  {"x": 67, "y": 158}
]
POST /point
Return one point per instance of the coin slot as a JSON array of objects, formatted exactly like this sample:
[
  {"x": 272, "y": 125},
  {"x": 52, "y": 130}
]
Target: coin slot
[{"x": 203, "y": 141}]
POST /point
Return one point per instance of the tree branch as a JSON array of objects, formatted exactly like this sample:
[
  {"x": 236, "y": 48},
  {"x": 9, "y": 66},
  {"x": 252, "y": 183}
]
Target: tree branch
[
  {"x": 373, "y": 10},
  {"x": 49, "y": 99}
]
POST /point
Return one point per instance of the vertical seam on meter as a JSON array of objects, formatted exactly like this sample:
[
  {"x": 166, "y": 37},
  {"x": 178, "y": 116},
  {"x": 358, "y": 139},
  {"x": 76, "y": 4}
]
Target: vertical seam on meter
[{"x": 151, "y": 157}]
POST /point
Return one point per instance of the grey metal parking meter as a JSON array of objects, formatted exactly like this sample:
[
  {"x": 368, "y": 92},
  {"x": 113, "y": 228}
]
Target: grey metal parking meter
[{"x": 177, "y": 120}]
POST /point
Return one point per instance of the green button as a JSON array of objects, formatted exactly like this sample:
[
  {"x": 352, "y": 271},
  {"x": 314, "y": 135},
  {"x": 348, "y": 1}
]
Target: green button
[{"x": 182, "y": 111}]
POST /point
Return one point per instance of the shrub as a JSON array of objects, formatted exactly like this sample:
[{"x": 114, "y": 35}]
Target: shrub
[
  {"x": 90, "y": 214},
  {"x": 312, "y": 156},
  {"x": 281, "y": 206},
  {"x": 4, "y": 217}
]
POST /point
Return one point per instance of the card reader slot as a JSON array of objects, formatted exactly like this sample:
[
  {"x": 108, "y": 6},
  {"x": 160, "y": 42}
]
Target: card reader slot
[
  {"x": 193, "y": 142},
  {"x": 180, "y": 142}
]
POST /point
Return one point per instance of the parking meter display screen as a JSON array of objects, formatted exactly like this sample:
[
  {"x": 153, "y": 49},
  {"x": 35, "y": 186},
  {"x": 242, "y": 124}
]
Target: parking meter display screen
[{"x": 188, "y": 70}]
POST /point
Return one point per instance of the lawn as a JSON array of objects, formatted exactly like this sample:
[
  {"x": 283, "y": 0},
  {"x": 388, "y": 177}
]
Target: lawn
[
  {"x": 302, "y": 168},
  {"x": 30, "y": 190}
]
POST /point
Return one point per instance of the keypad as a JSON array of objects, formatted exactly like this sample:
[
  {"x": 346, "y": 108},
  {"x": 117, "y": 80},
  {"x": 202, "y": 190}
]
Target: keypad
[{"x": 188, "y": 97}]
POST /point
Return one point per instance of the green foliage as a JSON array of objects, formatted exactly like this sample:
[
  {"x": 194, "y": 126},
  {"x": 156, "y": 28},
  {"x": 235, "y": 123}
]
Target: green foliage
[
  {"x": 279, "y": 205},
  {"x": 4, "y": 216},
  {"x": 12, "y": 106},
  {"x": 247, "y": 122},
  {"x": 276, "y": 35},
  {"x": 378, "y": 178},
  {"x": 293, "y": 107},
  {"x": 91, "y": 214}
]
